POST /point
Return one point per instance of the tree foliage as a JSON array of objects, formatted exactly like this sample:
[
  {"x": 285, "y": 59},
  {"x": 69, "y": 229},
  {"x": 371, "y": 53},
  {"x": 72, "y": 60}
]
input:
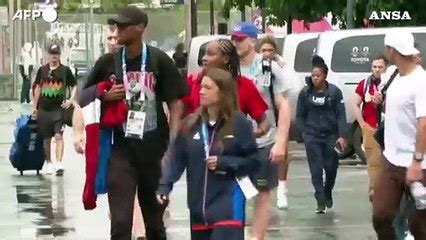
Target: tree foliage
[{"x": 282, "y": 10}]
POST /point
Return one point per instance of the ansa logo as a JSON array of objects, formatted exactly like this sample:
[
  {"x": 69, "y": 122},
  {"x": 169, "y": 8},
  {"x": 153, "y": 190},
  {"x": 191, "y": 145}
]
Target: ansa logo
[{"x": 390, "y": 15}]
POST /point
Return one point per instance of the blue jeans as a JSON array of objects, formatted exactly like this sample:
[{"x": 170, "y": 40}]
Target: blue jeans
[{"x": 400, "y": 223}]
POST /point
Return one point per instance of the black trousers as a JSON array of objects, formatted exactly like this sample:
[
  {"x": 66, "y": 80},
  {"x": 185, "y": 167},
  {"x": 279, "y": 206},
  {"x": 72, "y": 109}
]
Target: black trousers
[
  {"x": 322, "y": 158},
  {"x": 25, "y": 91},
  {"x": 135, "y": 164}
]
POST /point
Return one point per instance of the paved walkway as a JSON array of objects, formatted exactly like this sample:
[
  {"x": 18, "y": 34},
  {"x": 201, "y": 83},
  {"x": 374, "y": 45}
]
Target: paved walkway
[{"x": 50, "y": 207}]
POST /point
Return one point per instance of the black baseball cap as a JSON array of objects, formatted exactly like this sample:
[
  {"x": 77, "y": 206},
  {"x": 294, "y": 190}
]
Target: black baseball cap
[
  {"x": 54, "y": 49},
  {"x": 129, "y": 15}
]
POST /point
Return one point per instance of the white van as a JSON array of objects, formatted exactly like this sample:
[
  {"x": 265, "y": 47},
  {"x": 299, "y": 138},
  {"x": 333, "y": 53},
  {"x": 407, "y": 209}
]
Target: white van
[{"x": 348, "y": 54}]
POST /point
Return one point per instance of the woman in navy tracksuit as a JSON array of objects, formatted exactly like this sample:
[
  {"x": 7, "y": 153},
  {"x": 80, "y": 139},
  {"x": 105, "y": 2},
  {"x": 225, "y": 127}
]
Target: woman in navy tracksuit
[
  {"x": 216, "y": 146},
  {"x": 321, "y": 116}
]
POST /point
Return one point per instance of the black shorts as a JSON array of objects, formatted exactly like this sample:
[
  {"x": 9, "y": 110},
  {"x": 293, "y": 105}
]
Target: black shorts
[
  {"x": 50, "y": 123},
  {"x": 266, "y": 176}
]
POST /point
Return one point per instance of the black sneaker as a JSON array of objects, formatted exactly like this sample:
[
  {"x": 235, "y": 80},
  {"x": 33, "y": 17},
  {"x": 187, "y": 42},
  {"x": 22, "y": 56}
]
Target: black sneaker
[
  {"x": 321, "y": 209},
  {"x": 329, "y": 203}
]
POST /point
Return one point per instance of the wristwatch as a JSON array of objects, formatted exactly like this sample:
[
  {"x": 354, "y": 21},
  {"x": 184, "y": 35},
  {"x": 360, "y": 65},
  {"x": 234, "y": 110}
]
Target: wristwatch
[{"x": 418, "y": 156}]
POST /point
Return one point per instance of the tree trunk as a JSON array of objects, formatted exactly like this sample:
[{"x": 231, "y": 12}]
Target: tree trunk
[{"x": 243, "y": 14}]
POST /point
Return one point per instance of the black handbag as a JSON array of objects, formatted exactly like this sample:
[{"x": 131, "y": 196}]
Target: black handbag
[{"x": 379, "y": 135}]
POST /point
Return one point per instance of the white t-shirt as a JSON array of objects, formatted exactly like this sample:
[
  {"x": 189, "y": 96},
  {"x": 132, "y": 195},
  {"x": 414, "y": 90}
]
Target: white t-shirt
[
  {"x": 405, "y": 102},
  {"x": 281, "y": 85}
]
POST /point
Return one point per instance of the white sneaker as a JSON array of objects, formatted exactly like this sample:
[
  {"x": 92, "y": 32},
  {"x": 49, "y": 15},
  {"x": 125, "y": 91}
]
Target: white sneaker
[
  {"x": 282, "y": 201},
  {"x": 409, "y": 236},
  {"x": 59, "y": 169},
  {"x": 48, "y": 169}
]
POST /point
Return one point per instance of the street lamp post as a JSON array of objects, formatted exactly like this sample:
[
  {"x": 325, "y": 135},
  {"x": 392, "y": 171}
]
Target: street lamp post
[
  {"x": 211, "y": 17},
  {"x": 12, "y": 65},
  {"x": 92, "y": 36}
]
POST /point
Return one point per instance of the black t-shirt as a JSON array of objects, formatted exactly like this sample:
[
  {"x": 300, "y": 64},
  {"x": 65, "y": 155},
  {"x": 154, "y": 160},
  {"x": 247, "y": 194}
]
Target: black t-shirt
[
  {"x": 53, "y": 85},
  {"x": 164, "y": 84}
]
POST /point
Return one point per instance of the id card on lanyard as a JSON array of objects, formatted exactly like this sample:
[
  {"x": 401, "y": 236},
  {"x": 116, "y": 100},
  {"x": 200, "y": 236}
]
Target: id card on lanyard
[
  {"x": 206, "y": 140},
  {"x": 136, "y": 115}
]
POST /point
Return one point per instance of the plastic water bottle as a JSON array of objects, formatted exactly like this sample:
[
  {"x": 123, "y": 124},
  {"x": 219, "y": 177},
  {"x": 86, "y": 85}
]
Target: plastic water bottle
[{"x": 418, "y": 191}]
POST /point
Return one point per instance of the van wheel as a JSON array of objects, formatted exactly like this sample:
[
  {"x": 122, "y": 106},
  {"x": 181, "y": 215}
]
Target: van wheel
[{"x": 357, "y": 144}]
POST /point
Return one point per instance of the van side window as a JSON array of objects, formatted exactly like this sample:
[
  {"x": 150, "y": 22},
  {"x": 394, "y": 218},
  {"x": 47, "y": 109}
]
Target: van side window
[
  {"x": 304, "y": 52},
  {"x": 354, "y": 54}
]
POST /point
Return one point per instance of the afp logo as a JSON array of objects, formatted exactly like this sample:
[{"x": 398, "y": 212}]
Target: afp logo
[
  {"x": 390, "y": 15},
  {"x": 49, "y": 15}
]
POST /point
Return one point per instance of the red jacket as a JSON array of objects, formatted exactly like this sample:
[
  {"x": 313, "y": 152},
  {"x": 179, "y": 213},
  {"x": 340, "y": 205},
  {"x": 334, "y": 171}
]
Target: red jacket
[{"x": 114, "y": 113}]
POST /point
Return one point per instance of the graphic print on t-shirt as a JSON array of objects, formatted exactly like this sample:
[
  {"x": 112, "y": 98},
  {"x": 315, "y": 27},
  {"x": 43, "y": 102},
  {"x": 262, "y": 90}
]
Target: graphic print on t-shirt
[
  {"x": 52, "y": 89},
  {"x": 145, "y": 83}
]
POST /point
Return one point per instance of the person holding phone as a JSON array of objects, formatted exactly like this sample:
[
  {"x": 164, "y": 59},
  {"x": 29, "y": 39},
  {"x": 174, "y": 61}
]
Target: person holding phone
[
  {"x": 321, "y": 116},
  {"x": 216, "y": 146}
]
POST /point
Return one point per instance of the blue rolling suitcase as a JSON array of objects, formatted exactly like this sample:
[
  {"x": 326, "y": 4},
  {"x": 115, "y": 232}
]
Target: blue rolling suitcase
[{"x": 27, "y": 153}]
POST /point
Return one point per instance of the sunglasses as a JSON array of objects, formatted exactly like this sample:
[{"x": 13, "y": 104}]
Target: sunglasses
[{"x": 238, "y": 39}]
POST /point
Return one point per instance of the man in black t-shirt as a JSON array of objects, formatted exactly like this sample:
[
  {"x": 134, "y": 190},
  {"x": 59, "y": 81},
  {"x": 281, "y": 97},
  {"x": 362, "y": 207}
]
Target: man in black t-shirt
[
  {"x": 50, "y": 90},
  {"x": 137, "y": 162}
]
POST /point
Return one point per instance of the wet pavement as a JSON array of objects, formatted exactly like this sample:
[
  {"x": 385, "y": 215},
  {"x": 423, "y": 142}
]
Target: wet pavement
[{"x": 50, "y": 207}]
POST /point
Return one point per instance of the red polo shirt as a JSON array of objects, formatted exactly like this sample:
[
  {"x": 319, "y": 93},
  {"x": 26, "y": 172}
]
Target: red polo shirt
[
  {"x": 369, "y": 109},
  {"x": 250, "y": 100}
]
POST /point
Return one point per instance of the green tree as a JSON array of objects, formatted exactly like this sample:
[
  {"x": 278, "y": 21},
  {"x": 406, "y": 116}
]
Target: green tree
[
  {"x": 364, "y": 8},
  {"x": 282, "y": 10}
]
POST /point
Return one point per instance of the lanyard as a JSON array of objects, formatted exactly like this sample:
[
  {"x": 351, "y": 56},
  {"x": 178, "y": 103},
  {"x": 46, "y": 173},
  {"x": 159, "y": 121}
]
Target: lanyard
[
  {"x": 143, "y": 59},
  {"x": 124, "y": 67},
  {"x": 205, "y": 133}
]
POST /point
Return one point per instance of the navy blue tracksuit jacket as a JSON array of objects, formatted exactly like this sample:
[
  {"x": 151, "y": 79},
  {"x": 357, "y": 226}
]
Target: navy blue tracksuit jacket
[
  {"x": 321, "y": 115},
  {"x": 214, "y": 197}
]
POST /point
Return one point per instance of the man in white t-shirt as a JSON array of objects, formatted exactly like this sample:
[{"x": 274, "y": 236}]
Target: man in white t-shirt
[{"x": 405, "y": 138}]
